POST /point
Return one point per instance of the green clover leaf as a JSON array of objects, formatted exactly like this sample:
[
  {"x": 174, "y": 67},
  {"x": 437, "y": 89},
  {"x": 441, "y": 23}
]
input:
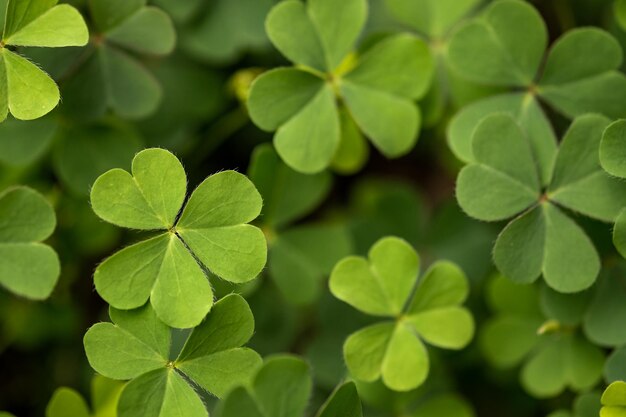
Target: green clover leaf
[
  {"x": 554, "y": 355},
  {"x": 281, "y": 388},
  {"x": 105, "y": 394},
  {"x": 26, "y": 91},
  {"x": 504, "y": 181},
  {"x": 136, "y": 347},
  {"x": 299, "y": 256},
  {"x": 382, "y": 286},
  {"x": 614, "y": 400},
  {"x": 211, "y": 231},
  {"x": 27, "y": 267},
  {"x": 377, "y": 89},
  {"x": 505, "y": 47},
  {"x": 107, "y": 75},
  {"x": 606, "y": 314}
]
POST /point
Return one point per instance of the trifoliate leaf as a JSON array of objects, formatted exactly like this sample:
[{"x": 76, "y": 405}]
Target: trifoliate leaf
[
  {"x": 382, "y": 286},
  {"x": 136, "y": 346},
  {"x": 614, "y": 400},
  {"x": 27, "y": 267},
  {"x": 613, "y": 149},
  {"x": 212, "y": 229}
]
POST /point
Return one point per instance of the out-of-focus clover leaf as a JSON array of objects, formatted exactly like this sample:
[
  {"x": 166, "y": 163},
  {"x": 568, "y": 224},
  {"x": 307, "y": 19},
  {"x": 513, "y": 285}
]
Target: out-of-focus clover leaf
[
  {"x": 84, "y": 152},
  {"x": 554, "y": 356},
  {"x": 28, "y": 267},
  {"x": 382, "y": 285},
  {"x": 505, "y": 181},
  {"x": 106, "y": 75},
  {"x": 299, "y": 256},
  {"x": 585, "y": 405},
  {"x": 506, "y": 46},
  {"x": 620, "y": 12},
  {"x": 444, "y": 405},
  {"x": 105, "y": 394},
  {"x": 180, "y": 11},
  {"x": 136, "y": 347},
  {"x": 227, "y": 29},
  {"x": 210, "y": 231},
  {"x": 614, "y": 400},
  {"x": 615, "y": 366},
  {"x": 23, "y": 142},
  {"x": 377, "y": 88},
  {"x": 26, "y": 91},
  {"x": 282, "y": 388}
]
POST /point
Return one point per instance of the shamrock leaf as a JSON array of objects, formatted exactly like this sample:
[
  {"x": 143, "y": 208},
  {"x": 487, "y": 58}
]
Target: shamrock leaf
[
  {"x": 377, "y": 89},
  {"x": 614, "y": 400},
  {"x": 548, "y": 241},
  {"x": 211, "y": 231},
  {"x": 136, "y": 347},
  {"x": 554, "y": 356},
  {"x": 506, "y": 47},
  {"x": 107, "y": 75},
  {"x": 27, "y": 267},
  {"x": 281, "y": 388},
  {"x": 382, "y": 286},
  {"x": 26, "y": 91},
  {"x": 301, "y": 256},
  {"x": 105, "y": 393}
]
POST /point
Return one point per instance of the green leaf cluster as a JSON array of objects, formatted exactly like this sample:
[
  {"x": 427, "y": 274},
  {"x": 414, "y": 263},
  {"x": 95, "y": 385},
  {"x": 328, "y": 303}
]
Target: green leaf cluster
[
  {"x": 505, "y": 180},
  {"x": 28, "y": 267},
  {"x": 429, "y": 310},
  {"x": 506, "y": 47},
  {"x": 282, "y": 388},
  {"x": 208, "y": 231},
  {"x": 26, "y": 91},
  {"x": 320, "y": 108},
  {"x": 137, "y": 347}
]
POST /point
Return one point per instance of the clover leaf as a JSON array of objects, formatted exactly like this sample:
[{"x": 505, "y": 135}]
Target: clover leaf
[
  {"x": 606, "y": 314},
  {"x": 26, "y": 91},
  {"x": 614, "y": 400},
  {"x": 505, "y": 181},
  {"x": 506, "y": 47},
  {"x": 555, "y": 356},
  {"x": 136, "y": 347},
  {"x": 27, "y": 267},
  {"x": 105, "y": 393},
  {"x": 107, "y": 76},
  {"x": 211, "y": 231},
  {"x": 382, "y": 286},
  {"x": 281, "y": 388},
  {"x": 302, "y": 103},
  {"x": 299, "y": 256}
]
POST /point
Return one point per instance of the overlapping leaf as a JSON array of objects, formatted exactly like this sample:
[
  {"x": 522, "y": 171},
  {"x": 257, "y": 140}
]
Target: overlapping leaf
[
  {"x": 28, "y": 267},
  {"x": 300, "y": 103},
  {"x": 105, "y": 393},
  {"x": 211, "y": 231},
  {"x": 505, "y": 180},
  {"x": 282, "y": 388},
  {"x": 136, "y": 347},
  {"x": 505, "y": 47},
  {"x": 382, "y": 285},
  {"x": 26, "y": 91}
]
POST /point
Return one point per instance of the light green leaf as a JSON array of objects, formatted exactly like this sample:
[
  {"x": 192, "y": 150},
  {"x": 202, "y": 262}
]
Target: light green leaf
[
  {"x": 443, "y": 285},
  {"x": 353, "y": 151},
  {"x": 27, "y": 268},
  {"x": 288, "y": 195},
  {"x": 66, "y": 402},
  {"x": 20, "y": 13},
  {"x": 400, "y": 65},
  {"x": 309, "y": 140},
  {"x": 344, "y": 402},
  {"x": 447, "y": 327},
  {"x": 613, "y": 149},
  {"x": 338, "y": 25},
  {"x": 382, "y": 285},
  {"x": 392, "y": 123},
  {"x": 280, "y": 94},
  {"x": 504, "y": 47},
  {"x": 61, "y": 25},
  {"x": 431, "y": 17},
  {"x": 291, "y": 30},
  {"x": 406, "y": 364},
  {"x": 614, "y": 400},
  {"x": 160, "y": 393},
  {"x": 150, "y": 198},
  {"x": 148, "y": 31},
  {"x": 364, "y": 351},
  {"x": 507, "y": 339}
]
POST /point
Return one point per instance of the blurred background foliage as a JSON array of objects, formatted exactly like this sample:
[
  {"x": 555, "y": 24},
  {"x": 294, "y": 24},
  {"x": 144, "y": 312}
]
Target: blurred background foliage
[{"x": 191, "y": 100}]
